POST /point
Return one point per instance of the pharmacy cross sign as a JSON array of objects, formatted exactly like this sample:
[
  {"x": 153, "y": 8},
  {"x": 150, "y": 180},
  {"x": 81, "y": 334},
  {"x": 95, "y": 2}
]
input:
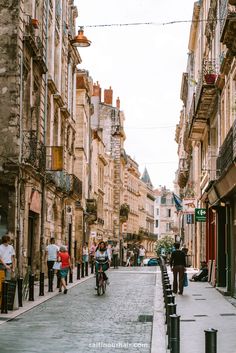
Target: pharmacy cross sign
[{"x": 200, "y": 214}]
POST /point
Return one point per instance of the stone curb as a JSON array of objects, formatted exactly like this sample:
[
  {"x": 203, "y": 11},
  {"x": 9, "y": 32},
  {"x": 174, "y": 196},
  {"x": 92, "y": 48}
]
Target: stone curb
[{"x": 158, "y": 328}]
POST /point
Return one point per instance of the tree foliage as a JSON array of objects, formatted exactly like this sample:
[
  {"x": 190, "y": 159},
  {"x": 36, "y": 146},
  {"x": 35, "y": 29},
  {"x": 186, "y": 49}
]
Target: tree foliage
[{"x": 164, "y": 245}]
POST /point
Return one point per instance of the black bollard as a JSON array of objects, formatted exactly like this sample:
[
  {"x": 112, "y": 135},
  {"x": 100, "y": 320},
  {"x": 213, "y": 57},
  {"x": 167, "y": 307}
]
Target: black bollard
[
  {"x": 31, "y": 287},
  {"x": 4, "y": 297},
  {"x": 210, "y": 340},
  {"x": 175, "y": 333},
  {"x": 82, "y": 270},
  {"x": 86, "y": 268},
  {"x": 170, "y": 299},
  {"x": 70, "y": 276},
  {"x": 92, "y": 267},
  {"x": 50, "y": 280},
  {"x": 20, "y": 291},
  {"x": 78, "y": 270},
  {"x": 171, "y": 310},
  {"x": 58, "y": 279},
  {"x": 167, "y": 292},
  {"x": 41, "y": 284}
]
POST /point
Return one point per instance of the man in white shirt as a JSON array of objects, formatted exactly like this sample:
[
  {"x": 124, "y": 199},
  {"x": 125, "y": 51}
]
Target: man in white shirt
[
  {"x": 51, "y": 252},
  {"x": 142, "y": 253},
  {"x": 7, "y": 257}
]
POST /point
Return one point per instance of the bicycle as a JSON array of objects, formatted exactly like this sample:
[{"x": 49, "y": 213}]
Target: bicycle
[{"x": 101, "y": 283}]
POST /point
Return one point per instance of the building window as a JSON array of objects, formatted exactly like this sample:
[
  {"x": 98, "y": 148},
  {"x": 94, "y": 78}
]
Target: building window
[
  {"x": 163, "y": 200},
  {"x": 168, "y": 211},
  {"x": 167, "y": 227},
  {"x": 157, "y": 223},
  {"x": 157, "y": 211}
]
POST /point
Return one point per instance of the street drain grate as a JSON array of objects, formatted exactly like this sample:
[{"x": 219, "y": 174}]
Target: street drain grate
[
  {"x": 196, "y": 295},
  {"x": 200, "y": 299},
  {"x": 199, "y": 315},
  {"x": 145, "y": 318},
  {"x": 187, "y": 320},
  {"x": 228, "y": 314}
]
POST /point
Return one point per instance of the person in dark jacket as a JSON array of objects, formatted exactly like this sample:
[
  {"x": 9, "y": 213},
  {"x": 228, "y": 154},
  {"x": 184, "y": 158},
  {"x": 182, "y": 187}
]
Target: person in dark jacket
[{"x": 178, "y": 265}]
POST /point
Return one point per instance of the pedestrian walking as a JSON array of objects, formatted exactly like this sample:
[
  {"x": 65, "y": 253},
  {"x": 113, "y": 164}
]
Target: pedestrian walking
[
  {"x": 64, "y": 257},
  {"x": 178, "y": 266},
  {"x": 141, "y": 255},
  {"x": 51, "y": 252},
  {"x": 85, "y": 253},
  {"x": 7, "y": 257},
  {"x": 92, "y": 251},
  {"x": 115, "y": 255}
]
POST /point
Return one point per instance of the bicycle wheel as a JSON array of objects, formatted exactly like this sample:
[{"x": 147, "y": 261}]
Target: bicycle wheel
[
  {"x": 104, "y": 285},
  {"x": 100, "y": 284}
]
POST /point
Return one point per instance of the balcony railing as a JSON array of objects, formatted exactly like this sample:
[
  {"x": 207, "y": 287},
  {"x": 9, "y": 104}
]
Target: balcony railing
[
  {"x": 61, "y": 179},
  {"x": 76, "y": 185},
  {"x": 33, "y": 150},
  {"x": 227, "y": 25},
  {"x": 35, "y": 44},
  {"x": 227, "y": 152}
]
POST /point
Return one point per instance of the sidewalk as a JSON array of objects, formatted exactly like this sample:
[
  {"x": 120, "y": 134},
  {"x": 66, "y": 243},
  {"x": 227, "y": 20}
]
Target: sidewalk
[
  {"x": 27, "y": 305},
  {"x": 203, "y": 307}
]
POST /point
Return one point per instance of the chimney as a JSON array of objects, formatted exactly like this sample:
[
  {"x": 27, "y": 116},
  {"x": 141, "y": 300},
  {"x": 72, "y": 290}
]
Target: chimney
[
  {"x": 97, "y": 92},
  {"x": 108, "y": 95},
  {"x": 118, "y": 103}
]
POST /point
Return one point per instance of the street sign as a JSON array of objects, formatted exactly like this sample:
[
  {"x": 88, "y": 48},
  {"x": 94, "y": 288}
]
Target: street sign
[{"x": 200, "y": 214}]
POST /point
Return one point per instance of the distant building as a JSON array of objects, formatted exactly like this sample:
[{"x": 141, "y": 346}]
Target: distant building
[{"x": 164, "y": 213}]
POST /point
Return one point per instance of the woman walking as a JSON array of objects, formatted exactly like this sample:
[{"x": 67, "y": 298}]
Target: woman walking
[{"x": 64, "y": 258}]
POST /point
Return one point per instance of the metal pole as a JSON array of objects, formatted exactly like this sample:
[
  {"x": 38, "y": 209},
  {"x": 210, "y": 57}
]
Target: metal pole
[
  {"x": 41, "y": 284},
  {"x": 211, "y": 340},
  {"x": 70, "y": 276},
  {"x": 50, "y": 280},
  {"x": 20, "y": 291},
  {"x": 4, "y": 297},
  {"x": 82, "y": 270},
  {"x": 31, "y": 287},
  {"x": 175, "y": 333},
  {"x": 78, "y": 270},
  {"x": 86, "y": 268}
]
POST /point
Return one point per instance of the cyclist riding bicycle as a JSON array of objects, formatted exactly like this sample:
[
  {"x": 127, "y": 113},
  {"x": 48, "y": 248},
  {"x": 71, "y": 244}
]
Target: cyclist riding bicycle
[{"x": 102, "y": 259}]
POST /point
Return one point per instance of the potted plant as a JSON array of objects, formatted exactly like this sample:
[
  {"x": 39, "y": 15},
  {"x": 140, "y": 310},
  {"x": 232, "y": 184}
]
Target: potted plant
[
  {"x": 209, "y": 71},
  {"x": 210, "y": 77},
  {"x": 35, "y": 22}
]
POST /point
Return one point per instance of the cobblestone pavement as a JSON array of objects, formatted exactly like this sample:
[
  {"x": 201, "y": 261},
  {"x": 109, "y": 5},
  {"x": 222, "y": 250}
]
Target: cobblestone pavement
[{"x": 81, "y": 322}]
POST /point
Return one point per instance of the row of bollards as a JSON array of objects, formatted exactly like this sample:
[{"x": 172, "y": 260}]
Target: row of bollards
[
  {"x": 172, "y": 320},
  {"x": 82, "y": 271}
]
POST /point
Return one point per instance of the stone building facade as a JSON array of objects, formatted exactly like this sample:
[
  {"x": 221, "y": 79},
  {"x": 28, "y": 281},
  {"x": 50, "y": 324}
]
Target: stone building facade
[
  {"x": 164, "y": 213},
  {"x": 38, "y": 186},
  {"x": 206, "y": 137}
]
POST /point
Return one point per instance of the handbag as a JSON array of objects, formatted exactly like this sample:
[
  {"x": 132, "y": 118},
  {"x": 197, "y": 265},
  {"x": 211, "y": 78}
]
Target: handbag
[
  {"x": 56, "y": 265},
  {"x": 185, "y": 279}
]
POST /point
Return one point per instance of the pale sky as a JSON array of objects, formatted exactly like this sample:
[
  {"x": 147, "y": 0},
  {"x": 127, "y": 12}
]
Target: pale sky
[{"x": 144, "y": 65}]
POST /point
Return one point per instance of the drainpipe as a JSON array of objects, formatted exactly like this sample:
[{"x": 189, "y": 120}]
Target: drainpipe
[
  {"x": 18, "y": 180},
  {"x": 43, "y": 184}
]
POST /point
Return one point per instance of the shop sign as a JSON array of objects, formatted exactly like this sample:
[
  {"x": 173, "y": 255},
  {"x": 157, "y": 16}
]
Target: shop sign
[{"x": 200, "y": 214}]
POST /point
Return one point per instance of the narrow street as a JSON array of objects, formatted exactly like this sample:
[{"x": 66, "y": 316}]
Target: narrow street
[{"x": 81, "y": 322}]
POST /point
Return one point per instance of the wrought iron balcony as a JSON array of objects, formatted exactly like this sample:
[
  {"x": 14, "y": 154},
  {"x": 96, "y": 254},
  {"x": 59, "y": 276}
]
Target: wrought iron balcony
[
  {"x": 61, "y": 180},
  {"x": 183, "y": 172},
  {"x": 75, "y": 185},
  {"x": 227, "y": 154},
  {"x": 33, "y": 150},
  {"x": 35, "y": 44},
  {"x": 205, "y": 98},
  {"x": 228, "y": 25}
]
